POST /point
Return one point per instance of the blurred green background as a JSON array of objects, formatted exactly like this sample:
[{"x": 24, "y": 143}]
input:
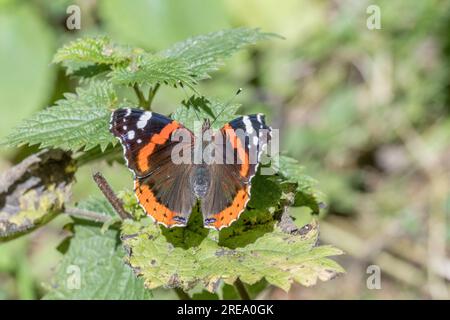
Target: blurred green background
[{"x": 366, "y": 111}]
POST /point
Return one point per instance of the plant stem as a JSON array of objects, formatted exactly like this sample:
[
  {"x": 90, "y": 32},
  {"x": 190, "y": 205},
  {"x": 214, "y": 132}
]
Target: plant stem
[
  {"x": 181, "y": 294},
  {"x": 241, "y": 290},
  {"x": 107, "y": 191},
  {"x": 140, "y": 96},
  {"x": 87, "y": 215},
  {"x": 146, "y": 103},
  {"x": 151, "y": 95}
]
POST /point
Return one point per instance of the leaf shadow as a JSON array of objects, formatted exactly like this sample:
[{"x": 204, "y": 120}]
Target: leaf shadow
[
  {"x": 252, "y": 225},
  {"x": 199, "y": 104},
  {"x": 189, "y": 236}
]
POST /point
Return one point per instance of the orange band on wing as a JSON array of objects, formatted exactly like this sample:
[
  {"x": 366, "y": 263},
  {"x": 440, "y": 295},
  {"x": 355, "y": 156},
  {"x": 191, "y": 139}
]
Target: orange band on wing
[
  {"x": 153, "y": 208},
  {"x": 228, "y": 215},
  {"x": 144, "y": 153},
  {"x": 158, "y": 138},
  {"x": 236, "y": 143}
]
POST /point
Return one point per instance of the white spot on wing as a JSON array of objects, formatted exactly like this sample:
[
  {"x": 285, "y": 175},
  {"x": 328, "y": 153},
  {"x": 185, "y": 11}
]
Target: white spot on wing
[
  {"x": 255, "y": 140},
  {"x": 125, "y": 127},
  {"x": 248, "y": 124},
  {"x": 143, "y": 119},
  {"x": 259, "y": 117},
  {"x": 139, "y": 141},
  {"x": 130, "y": 135}
]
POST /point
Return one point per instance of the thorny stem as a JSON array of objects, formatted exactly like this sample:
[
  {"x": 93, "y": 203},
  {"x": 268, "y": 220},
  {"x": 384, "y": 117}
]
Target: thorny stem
[
  {"x": 181, "y": 294},
  {"x": 109, "y": 194},
  {"x": 241, "y": 290}
]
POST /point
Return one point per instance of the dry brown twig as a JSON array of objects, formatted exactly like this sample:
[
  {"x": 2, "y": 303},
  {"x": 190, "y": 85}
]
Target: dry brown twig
[{"x": 109, "y": 194}]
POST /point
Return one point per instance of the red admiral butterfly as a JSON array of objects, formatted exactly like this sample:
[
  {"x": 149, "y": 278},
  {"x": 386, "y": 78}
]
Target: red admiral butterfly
[{"x": 166, "y": 190}]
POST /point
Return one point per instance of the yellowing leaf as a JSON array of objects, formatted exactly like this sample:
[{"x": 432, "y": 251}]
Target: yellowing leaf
[{"x": 279, "y": 257}]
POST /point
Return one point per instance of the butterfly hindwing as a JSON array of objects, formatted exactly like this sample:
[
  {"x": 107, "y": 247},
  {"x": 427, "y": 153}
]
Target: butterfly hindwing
[{"x": 167, "y": 198}]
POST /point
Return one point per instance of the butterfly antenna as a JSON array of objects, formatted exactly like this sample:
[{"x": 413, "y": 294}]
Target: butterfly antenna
[
  {"x": 187, "y": 98},
  {"x": 227, "y": 104}
]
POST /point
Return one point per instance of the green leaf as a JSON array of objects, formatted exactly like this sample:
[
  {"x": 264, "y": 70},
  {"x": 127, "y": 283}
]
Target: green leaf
[
  {"x": 96, "y": 95},
  {"x": 97, "y": 259},
  {"x": 279, "y": 257},
  {"x": 251, "y": 225},
  {"x": 205, "y": 53},
  {"x": 196, "y": 109},
  {"x": 151, "y": 69},
  {"x": 307, "y": 193},
  {"x": 184, "y": 63},
  {"x": 86, "y": 70},
  {"x": 80, "y": 120},
  {"x": 98, "y": 205},
  {"x": 88, "y": 53},
  {"x": 34, "y": 191},
  {"x": 266, "y": 192}
]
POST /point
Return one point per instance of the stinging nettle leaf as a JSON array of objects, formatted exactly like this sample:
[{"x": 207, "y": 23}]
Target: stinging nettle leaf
[
  {"x": 87, "y": 52},
  {"x": 80, "y": 120},
  {"x": 186, "y": 62},
  {"x": 278, "y": 257},
  {"x": 196, "y": 109},
  {"x": 69, "y": 128},
  {"x": 98, "y": 205},
  {"x": 205, "y": 53},
  {"x": 97, "y": 95},
  {"x": 85, "y": 71},
  {"x": 152, "y": 69},
  {"x": 306, "y": 193}
]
